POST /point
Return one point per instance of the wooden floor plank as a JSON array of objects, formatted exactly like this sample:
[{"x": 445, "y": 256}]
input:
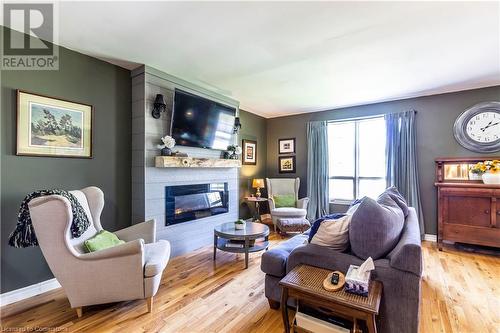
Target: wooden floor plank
[{"x": 460, "y": 294}]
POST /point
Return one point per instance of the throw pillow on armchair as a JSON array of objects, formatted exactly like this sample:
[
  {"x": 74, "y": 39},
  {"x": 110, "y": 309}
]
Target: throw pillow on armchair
[{"x": 284, "y": 200}]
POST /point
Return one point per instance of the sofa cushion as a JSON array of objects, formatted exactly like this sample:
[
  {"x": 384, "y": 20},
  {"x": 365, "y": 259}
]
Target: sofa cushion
[
  {"x": 333, "y": 233},
  {"x": 398, "y": 199},
  {"x": 289, "y": 212},
  {"x": 156, "y": 256},
  {"x": 274, "y": 261},
  {"x": 317, "y": 223},
  {"x": 375, "y": 227}
]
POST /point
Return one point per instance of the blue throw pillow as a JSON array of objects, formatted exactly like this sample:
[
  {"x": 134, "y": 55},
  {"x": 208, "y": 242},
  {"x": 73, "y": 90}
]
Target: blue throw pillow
[{"x": 317, "y": 223}]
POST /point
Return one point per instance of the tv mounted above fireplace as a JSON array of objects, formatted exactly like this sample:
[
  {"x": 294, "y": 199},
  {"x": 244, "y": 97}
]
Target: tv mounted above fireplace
[
  {"x": 190, "y": 202},
  {"x": 200, "y": 122}
]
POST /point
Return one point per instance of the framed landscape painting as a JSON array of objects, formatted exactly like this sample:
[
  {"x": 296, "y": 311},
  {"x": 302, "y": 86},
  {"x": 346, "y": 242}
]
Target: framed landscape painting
[
  {"x": 249, "y": 152},
  {"x": 53, "y": 127}
]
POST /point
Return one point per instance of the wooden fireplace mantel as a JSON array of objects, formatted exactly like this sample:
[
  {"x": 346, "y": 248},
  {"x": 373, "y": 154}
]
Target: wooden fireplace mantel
[{"x": 194, "y": 162}]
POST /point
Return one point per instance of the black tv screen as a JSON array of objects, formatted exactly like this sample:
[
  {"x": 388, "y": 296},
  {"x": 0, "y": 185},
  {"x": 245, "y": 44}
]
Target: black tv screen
[{"x": 200, "y": 122}]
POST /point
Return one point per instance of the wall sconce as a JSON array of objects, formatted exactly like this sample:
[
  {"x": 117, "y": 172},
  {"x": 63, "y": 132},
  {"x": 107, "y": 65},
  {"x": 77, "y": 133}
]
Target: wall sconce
[
  {"x": 237, "y": 125},
  {"x": 159, "y": 106}
]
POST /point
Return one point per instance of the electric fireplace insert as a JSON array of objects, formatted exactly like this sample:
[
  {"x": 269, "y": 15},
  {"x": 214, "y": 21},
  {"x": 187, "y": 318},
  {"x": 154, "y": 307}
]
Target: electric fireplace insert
[{"x": 190, "y": 202}]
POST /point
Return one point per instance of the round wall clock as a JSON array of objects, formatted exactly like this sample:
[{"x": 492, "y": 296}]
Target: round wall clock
[{"x": 478, "y": 128}]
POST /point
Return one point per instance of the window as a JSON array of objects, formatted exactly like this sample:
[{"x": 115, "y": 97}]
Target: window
[{"x": 356, "y": 158}]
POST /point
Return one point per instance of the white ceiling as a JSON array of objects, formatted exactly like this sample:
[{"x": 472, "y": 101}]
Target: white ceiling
[{"x": 280, "y": 58}]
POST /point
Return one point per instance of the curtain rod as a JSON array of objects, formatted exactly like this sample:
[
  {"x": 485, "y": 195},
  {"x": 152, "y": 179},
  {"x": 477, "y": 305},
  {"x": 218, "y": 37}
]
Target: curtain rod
[{"x": 362, "y": 117}]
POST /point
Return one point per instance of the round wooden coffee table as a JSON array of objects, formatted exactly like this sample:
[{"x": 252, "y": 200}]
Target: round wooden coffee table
[{"x": 255, "y": 237}]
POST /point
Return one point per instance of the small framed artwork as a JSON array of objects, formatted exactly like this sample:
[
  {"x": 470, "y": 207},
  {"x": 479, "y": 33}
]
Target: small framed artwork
[
  {"x": 286, "y": 164},
  {"x": 249, "y": 152},
  {"x": 286, "y": 146},
  {"x": 53, "y": 127}
]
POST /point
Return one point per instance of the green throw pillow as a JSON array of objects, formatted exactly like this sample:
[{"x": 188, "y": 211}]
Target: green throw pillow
[
  {"x": 101, "y": 241},
  {"x": 285, "y": 200}
]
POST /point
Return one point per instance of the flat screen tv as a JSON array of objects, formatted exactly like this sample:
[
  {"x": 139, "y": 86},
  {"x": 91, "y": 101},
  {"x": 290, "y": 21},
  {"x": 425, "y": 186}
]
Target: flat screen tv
[{"x": 200, "y": 122}]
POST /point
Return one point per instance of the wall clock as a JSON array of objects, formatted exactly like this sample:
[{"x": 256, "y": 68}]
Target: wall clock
[{"x": 478, "y": 128}]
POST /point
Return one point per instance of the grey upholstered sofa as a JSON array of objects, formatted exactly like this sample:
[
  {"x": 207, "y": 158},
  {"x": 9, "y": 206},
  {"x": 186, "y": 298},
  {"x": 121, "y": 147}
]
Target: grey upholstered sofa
[{"x": 400, "y": 272}]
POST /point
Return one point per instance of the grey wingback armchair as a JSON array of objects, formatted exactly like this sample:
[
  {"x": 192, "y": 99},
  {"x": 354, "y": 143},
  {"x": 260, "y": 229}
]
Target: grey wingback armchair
[
  {"x": 283, "y": 186},
  {"x": 125, "y": 272}
]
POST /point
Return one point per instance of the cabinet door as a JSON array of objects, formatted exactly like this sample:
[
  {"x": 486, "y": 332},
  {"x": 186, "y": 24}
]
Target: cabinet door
[{"x": 474, "y": 211}]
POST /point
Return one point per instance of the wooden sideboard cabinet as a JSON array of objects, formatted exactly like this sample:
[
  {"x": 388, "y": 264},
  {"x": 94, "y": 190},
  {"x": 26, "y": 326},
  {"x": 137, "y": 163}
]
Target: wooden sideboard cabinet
[{"x": 468, "y": 210}]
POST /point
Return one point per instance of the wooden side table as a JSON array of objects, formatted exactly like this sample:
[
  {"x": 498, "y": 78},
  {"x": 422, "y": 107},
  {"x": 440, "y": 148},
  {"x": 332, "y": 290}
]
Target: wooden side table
[
  {"x": 305, "y": 284},
  {"x": 257, "y": 201}
]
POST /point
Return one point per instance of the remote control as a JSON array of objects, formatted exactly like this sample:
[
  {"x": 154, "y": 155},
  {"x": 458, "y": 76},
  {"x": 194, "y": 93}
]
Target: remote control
[{"x": 335, "y": 278}]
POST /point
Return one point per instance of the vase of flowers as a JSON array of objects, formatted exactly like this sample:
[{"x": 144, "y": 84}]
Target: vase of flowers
[
  {"x": 489, "y": 171},
  {"x": 168, "y": 144},
  {"x": 233, "y": 152}
]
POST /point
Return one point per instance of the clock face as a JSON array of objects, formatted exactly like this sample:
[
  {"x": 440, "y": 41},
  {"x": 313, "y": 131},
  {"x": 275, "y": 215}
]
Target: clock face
[
  {"x": 478, "y": 128},
  {"x": 484, "y": 127}
]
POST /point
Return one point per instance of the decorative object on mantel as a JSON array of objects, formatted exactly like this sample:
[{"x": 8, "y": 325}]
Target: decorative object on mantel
[
  {"x": 489, "y": 171},
  {"x": 286, "y": 164},
  {"x": 194, "y": 162},
  {"x": 53, "y": 127},
  {"x": 159, "y": 106},
  {"x": 168, "y": 144},
  {"x": 179, "y": 154},
  {"x": 286, "y": 146},
  {"x": 258, "y": 183},
  {"x": 478, "y": 128},
  {"x": 239, "y": 224},
  {"x": 233, "y": 152},
  {"x": 250, "y": 152},
  {"x": 237, "y": 125}
]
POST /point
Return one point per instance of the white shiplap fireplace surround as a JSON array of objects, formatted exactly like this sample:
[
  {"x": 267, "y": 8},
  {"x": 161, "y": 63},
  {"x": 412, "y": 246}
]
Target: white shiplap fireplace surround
[{"x": 149, "y": 182}]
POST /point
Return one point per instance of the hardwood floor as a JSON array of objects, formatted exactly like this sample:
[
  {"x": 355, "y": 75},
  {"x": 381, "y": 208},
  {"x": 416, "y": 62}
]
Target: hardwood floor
[{"x": 460, "y": 294}]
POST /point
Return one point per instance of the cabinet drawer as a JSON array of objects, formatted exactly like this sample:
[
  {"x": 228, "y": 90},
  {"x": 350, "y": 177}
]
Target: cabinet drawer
[{"x": 471, "y": 234}]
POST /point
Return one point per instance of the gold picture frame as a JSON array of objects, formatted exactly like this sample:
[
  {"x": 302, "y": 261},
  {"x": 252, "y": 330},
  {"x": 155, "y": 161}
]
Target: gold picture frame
[{"x": 53, "y": 127}]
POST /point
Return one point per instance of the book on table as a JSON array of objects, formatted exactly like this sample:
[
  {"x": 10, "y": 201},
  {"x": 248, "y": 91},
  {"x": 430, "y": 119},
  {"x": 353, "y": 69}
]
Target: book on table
[
  {"x": 239, "y": 243},
  {"x": 235, "y": 245}
]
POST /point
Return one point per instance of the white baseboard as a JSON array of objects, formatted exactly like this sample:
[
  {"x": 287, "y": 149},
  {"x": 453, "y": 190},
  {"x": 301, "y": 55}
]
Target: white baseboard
[
  {"x": 430, "y": 238},
  {"x": 29, "y": 291}
]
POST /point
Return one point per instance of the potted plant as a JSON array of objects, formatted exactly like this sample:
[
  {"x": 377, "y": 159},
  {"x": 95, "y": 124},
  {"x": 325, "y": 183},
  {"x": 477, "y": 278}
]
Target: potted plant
[
  {"x": 489, "y": 171},
  {"x": 240, "y": 224},
  {"x": 168, "y": 144}
]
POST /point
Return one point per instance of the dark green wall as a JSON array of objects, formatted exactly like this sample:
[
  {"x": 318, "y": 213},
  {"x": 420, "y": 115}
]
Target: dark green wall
[
  {"x": 83, "y": 79},
  {"x": 253, "y": 128},
  {"x": 435, "y": 118}
]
